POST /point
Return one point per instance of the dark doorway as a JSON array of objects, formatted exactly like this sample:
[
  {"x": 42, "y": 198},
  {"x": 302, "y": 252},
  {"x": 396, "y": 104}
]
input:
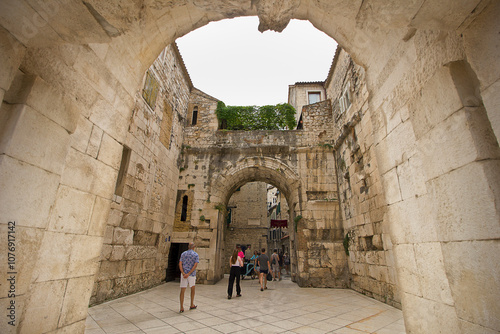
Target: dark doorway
[{"x": 173, "y": 271}]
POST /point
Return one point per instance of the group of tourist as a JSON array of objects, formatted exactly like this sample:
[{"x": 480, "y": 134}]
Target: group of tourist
[{"x": 266, "y": 268}]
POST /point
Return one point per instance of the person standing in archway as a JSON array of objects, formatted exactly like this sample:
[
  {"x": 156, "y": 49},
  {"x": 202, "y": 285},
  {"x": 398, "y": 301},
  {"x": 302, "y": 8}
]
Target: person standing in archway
[
  {"x": 287, "y": 263},
  {"x": 187, "y": 264},
  {"x": 235, "y": 262},
  {"x": 275, "y": 265},
  {"x": 263, "y": 262}
]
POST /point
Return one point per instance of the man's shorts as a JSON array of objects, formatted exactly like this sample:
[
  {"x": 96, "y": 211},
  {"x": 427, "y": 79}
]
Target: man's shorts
[
  {"x": 264, "y": 271},
  {"x": 276, "y": 268},
  {"x": 191, "y": 281}
]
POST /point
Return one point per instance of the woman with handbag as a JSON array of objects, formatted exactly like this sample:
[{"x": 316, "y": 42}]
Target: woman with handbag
[{"x": 236, "y": 263}]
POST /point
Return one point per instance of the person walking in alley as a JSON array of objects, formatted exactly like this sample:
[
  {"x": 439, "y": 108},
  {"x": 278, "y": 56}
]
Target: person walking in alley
[
  {"x": 235, "y": 262},
  {"x": 263, "y": 262},
  {"x": 188, "y": 262},
  {"x": 275, "y": 265},
  {"x": 287, "y": 263},
  {"x": 253, "y": 260}
]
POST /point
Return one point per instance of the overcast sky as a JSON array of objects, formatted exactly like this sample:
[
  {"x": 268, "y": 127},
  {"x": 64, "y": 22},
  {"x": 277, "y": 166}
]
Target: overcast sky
[{"x": 233, "y": 62}]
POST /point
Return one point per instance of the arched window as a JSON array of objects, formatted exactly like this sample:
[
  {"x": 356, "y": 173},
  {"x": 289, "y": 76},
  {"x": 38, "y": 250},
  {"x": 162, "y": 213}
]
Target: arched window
[
  {"x": 195, "y": 116},
  {"x": 184, "y": 208}
]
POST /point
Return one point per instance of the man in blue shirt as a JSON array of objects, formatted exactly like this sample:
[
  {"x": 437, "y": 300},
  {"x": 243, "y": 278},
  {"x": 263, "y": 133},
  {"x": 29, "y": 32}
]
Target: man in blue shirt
[{"x": 188, "y": 263}]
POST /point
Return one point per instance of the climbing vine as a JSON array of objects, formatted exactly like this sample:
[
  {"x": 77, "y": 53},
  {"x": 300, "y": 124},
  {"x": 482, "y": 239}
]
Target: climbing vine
[
  {"x": 296, "y": 221},
  {"x": 277, "y": 117}
]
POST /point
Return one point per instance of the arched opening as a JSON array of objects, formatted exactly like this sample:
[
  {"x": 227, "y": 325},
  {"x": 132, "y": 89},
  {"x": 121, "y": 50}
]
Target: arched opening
[
  {"x": 253, "y": 214},
  {"x": 71, "y": 149}
]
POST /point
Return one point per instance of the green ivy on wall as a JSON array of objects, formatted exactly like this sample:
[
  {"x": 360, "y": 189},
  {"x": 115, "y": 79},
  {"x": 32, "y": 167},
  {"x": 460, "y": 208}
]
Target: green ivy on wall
[{"x": 278, "y": 117}]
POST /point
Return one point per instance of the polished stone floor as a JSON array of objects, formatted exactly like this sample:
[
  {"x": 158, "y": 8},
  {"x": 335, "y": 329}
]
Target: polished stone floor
[{"x": 282, "y": 308}]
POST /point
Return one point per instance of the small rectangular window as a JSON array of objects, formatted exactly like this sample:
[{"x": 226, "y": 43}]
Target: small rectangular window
[
  {"x": 195, "y": 116},
  {"x": 150, "y": 90},
  {"x": 120, "y": 181},
  {"x": 314, "y": 97},
  {"x": 184, "y": 208},
  {"x": 345, "y": 99}
]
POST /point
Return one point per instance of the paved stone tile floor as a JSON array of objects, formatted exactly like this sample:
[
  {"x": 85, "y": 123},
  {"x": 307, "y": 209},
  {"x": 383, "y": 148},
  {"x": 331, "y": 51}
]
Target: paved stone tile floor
[{"x": 282, "y": 308}]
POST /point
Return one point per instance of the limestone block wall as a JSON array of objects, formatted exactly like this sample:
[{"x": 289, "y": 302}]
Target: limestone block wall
[
  {"x": 207, "y": 123},
  {"x": 62, "y": 143},
  {"x": 320, "y": 258},
  {"x": 208, "y": 156},
  {"x": 249, "y": 223},
  {"x": 435, "y": 147},
  {"x": 135, "y": 250},
  {"x": 363, "y": 207}
]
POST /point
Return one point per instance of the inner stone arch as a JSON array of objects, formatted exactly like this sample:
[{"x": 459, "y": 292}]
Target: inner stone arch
[
  {"x": 227, "y": 185},
  {"x": 257, "y": 168}
]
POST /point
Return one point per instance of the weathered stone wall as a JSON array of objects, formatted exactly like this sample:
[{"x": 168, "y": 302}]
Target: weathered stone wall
[
  {"x": 249, "y": 223},
  {"x": 371, "y": 260},
  {"x": 206, "y": 122},
  {"x": 320, "y": 257},
  {"x": 135, "y": 251},
  {"x": 209, "y": 155}
]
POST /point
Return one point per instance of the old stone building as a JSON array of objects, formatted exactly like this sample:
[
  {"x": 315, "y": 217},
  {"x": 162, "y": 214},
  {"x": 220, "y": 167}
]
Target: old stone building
[
  {"x": 363, "y": 206},
  {"x": 403, "y": 158},
  {"x": 279, "y": 221},
  {"x": 139, "y": 229},
  {"x": 304, "y": 93}
]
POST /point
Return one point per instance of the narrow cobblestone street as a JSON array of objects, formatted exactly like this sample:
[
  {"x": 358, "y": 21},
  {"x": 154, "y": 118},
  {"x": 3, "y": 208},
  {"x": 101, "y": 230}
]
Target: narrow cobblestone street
[{"x": 282, "y": 308}]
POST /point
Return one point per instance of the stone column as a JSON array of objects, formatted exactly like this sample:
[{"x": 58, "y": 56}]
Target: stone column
[
  {"x": 58, "y": 199},
  {"x": 444, "y": 208},
  {"x": 34, "y": 139},
  {"x": 483, "y": 53},
  {"x": 321, "y": 259}
]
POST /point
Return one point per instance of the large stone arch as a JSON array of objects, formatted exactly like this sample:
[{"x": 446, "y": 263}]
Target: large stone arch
[
  {"x": 257, "y": 168},
  {"x": 90, "y": 58},
  {"x": 250, "y": 169}
]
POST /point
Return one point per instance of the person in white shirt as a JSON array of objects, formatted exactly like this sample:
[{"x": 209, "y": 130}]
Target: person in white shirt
[{"x": 236, "y": 263}]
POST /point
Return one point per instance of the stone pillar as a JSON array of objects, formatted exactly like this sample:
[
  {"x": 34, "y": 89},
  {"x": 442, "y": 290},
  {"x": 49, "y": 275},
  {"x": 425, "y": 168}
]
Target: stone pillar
[
  {"x": 321, "y": 259},
  {"x": 58, "y": 209},
  {"x": 36, "y": 124},
  {"x": 444, "y": 210},
  {"x": 483, "y": 53}
]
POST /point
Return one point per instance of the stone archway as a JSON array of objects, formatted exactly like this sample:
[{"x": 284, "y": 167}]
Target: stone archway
[
  {"x": 251, "y": 169},
  {"x": 64, "y": 84},
  {"x": 257, "y": 168}
]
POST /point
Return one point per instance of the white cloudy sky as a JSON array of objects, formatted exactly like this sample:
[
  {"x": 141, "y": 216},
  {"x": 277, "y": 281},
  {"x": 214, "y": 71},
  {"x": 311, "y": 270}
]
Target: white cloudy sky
[{"x": 233, "y": 62}]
